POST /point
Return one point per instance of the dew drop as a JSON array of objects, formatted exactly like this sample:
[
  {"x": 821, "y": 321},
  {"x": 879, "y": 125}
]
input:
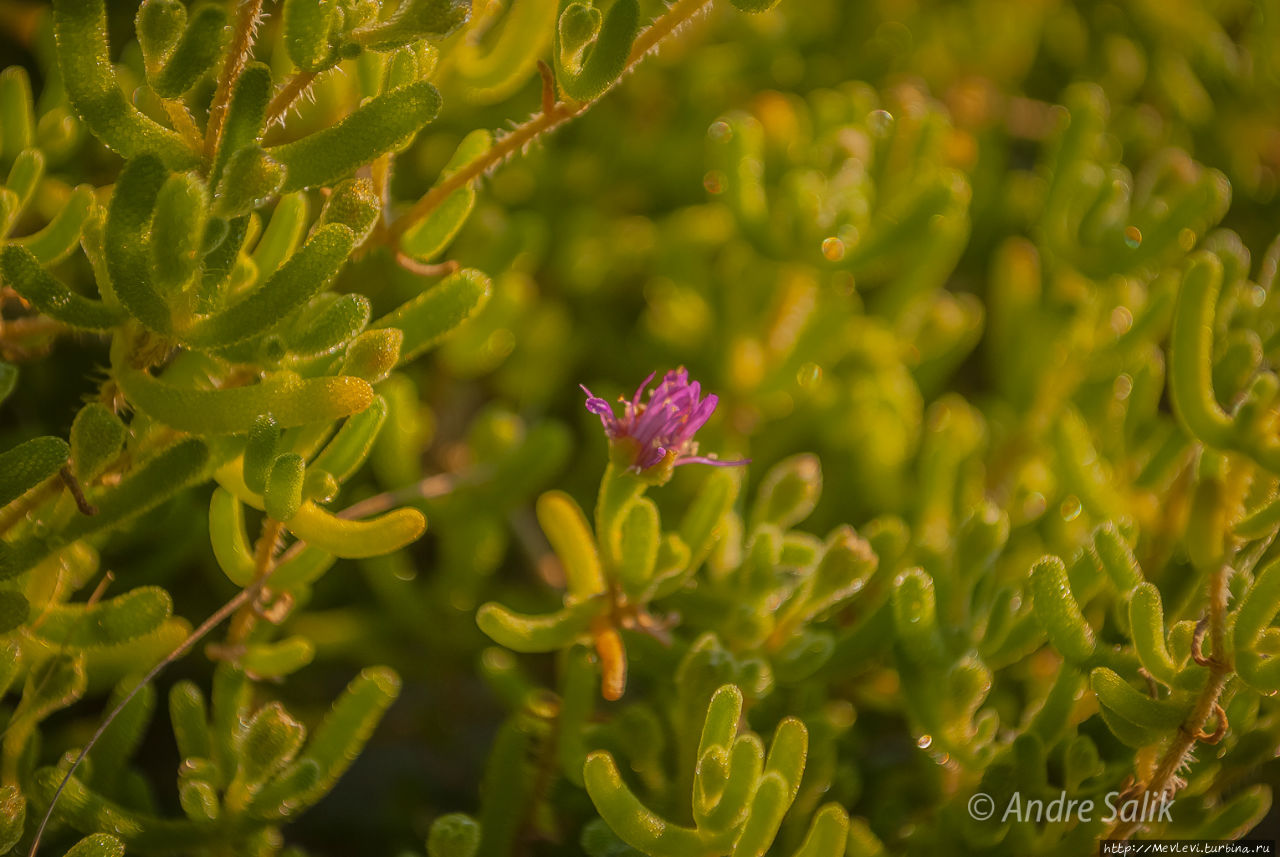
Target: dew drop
[
  {"x": 720, "y": 131},
  {"x": 1132, "y": 237},
  {"x": 1070, "y": 508},
  {"x": 809, "y": 375},
  {"x": 880, "y": 122},
  {"x": 1121, "y": 320},
  {"x": 1187, "y": 240},
  {"x": 543, "y": 704},
  {"x": 832, "y": 249},
  {"x": 713, "y": 181},
  {"x": 924, "y": 741},
  {"x": 1122, "y": 387},
  {"x": 1258, "y": 295}
]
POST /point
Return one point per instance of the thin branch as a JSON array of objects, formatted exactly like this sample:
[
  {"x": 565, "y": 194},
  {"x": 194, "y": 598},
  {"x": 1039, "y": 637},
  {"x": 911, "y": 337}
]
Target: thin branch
[
  {"x": 1165, "y": 779},
  {"x": 423, "y": 269},
  {"x": 244, "y": 596},
  {"x": 263, "y": 563},
  {"x": 237, "y": 57},
  {"x": 292, "y": 90},
  {"x": 505, "y": 148},
  {"x": 553, "y": 114},
  {"x": 73, "y": 485}
]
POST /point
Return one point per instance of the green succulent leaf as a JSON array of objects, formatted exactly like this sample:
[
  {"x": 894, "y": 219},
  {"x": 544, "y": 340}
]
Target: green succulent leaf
[
  {"x": 108, "y": 623},
  {"x": 28, "y": 464},
  {"x": 22, "y": 269},
  {"x": 80, "y": 27},
  {"x": 202, "y": 42},
  {"x": 382, "y": 124}
]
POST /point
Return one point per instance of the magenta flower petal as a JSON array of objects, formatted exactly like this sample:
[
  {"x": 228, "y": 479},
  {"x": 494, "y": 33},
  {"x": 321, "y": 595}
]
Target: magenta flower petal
[
  {"x": 714, "y": 462},
  {"x": 664, "y": 423}
]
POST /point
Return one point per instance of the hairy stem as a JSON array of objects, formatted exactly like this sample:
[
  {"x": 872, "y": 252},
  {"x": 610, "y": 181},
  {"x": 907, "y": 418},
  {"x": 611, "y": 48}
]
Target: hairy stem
[
  {"x": 263, "y": 562},
  {"x": 284, "y": 100},
  {"x": 1164, "y": 780},
  {"x": 554, "y": 113},
  {"x": 237, "y": 57}
]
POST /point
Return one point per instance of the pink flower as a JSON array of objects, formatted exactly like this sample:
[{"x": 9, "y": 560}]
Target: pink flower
[{"x": 663, "y": 427}]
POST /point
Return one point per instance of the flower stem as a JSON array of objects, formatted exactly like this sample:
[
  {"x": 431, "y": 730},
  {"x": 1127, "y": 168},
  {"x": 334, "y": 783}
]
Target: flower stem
[{"x": 619, "y": 489}]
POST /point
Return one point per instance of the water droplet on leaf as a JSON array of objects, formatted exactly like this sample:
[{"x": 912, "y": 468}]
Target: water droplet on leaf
[
  {"x": 1070, "y": 508},
  {"x": 832, "y": 249},
  {"x": 809, "y": 375},
  {"x": 880, "y": 122}
]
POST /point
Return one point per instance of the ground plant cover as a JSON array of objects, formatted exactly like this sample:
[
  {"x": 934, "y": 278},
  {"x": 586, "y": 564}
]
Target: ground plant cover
[{"x": 706, "y": 428}]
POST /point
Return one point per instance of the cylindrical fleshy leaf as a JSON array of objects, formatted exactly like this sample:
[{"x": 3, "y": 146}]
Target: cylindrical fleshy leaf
[
  {"x": 307, "y": 24},
  {"x": 1191, "y": 353},
  {"x": 378, "y": 126},
  {"x": 635, "y": 823},
  {"x": 251, "y": 177},
  {"x": 226, "y": 532},
  {"x": 1058, "y": 611},
  {"x": 354, "y": 204},
  {"x": 303, "y": 276},
  {"x": 570, "y": 536},
  {"x": 641, "y": 535},
  {"x": 344, "y": 731},
  {"x": 292, "y": 401},
  {"x": 788, "y": 492},
  {"x": 260, "y": 452},
  {"x": 373, "y": 354},
  {"x": 1146, "y": 626},
  {"x": 80, "y": 27},
  {"x": 128, "y": 262},
  {"x": 353, "y": 442},
  {"x": 604, "y": 59},
  {"x": 28, "y": 464},
  {"x": 453, "y": 835},
  {"x": 246, "y": 116},
  {"x": 177, "y": 232},
  {"x": 431, "y": 316},
  {"x": 357, "y": 539},
  {"x": 203, "y": 41},
  {"x": 523, "y": 633},
  {"x": 97, "y": 436},
  {"x": 22, "y": 270},
  {"x": 283, "y": 495},
  {"x": 159, "y": 25}
]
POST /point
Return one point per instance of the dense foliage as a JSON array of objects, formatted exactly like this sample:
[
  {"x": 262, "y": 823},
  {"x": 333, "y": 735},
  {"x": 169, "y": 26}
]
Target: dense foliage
[{"x": 957, "y": 474}]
